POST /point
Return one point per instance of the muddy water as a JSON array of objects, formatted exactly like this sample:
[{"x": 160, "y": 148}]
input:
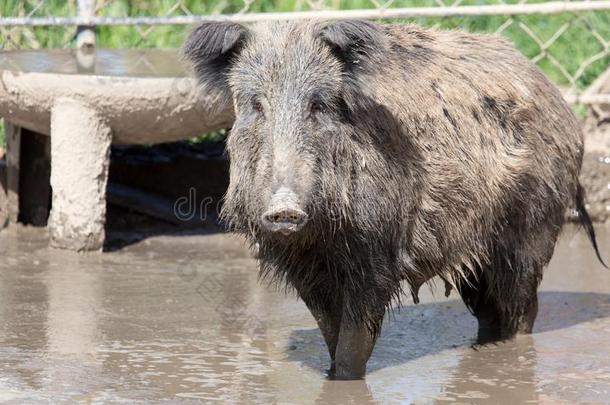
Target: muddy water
[
  {"x": 184, "y": 319},
  {"x": 101, "y": 62}
]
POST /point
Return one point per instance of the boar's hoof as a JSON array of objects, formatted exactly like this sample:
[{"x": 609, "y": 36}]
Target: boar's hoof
[
  {"x": 348, "y": 373},
  {"x": 349, "y": 368},
  {"x": 331, "y": 371}
]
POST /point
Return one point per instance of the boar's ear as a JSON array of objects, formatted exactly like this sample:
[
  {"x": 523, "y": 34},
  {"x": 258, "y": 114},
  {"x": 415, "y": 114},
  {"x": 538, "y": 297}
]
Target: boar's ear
[
  {"x": 358, "y": 44},
  {"x": 211, "y": 47}
]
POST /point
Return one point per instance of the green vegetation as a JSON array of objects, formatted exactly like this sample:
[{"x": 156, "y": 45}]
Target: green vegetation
[
  {"x": 562, "y": 60},
  {"x": 215, "y": 136}
]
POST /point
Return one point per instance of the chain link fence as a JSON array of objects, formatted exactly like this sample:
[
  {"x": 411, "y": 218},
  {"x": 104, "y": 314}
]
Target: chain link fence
[{"x": 569, "y": 41}]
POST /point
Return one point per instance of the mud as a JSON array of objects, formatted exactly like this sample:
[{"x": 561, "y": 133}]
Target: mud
[{"x": 184, "y": 319}]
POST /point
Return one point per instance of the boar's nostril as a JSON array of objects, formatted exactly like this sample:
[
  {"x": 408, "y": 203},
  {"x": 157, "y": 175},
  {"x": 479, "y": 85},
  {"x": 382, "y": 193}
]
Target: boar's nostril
[
  {"x": 289, "y": 216},
  {"x": 284, "y": 213}
]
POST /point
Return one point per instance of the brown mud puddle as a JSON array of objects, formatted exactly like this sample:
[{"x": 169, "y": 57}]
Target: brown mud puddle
[{"x": 185, "y": 319}]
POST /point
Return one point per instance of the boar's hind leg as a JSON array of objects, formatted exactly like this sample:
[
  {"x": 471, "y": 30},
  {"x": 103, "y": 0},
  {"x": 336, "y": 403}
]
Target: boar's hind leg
[{"x": 504, "y": 305}]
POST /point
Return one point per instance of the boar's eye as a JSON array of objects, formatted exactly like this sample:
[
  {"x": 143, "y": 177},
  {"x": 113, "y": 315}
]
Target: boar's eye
[
  {"x": 315, "y": 107},
  {"x": 257, "y": 106}
]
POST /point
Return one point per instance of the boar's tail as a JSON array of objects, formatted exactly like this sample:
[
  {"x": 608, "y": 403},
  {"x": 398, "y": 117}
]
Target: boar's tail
[{"x": 585, "y": 220}]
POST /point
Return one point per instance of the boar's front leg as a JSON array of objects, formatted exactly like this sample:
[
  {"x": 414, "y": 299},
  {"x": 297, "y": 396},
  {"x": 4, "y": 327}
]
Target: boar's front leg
[
  {"x": 328, "y": 318},
  {"x": 355, "y": 345},
  {"x": 350, "y": 344}
]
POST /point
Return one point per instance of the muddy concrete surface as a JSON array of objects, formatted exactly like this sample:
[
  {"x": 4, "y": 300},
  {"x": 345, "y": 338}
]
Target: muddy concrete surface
[{"x": 183, "y": 319}]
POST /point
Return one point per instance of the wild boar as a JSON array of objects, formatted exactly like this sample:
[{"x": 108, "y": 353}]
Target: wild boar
[{"x": 365, "y": 155}]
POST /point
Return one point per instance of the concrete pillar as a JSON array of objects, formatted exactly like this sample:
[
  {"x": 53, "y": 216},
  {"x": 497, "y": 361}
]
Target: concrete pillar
[{"x": 80, "y": 156}]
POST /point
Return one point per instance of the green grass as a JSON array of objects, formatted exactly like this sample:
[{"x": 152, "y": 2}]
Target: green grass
[{"x": 574, "y": 47}]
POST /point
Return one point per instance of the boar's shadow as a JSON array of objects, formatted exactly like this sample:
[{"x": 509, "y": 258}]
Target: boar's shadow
[{"x": 415, "y": 331}]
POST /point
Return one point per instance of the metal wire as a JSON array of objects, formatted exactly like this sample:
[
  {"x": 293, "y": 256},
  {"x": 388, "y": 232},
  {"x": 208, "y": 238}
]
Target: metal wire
[{"x": 549, "y": 8}]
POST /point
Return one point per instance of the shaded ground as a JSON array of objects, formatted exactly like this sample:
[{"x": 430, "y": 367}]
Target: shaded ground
[{"x": 184, "y": 319}]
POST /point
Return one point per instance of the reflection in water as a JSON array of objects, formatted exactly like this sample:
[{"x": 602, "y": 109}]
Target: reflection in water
[
  {"x": 23, "y": 312},
  {"x": 85, "y": 61},
  {"x": 72, "y": 311},
  {"x": 502, "y": 371},
  {"x": 222, "y": 353},
  {"x": 102, "y": 62},
  {"x": 345, "y": 392}
]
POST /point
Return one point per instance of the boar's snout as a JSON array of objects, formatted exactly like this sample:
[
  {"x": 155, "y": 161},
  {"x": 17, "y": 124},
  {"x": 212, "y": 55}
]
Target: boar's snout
[{"x": 284, "y": 214}]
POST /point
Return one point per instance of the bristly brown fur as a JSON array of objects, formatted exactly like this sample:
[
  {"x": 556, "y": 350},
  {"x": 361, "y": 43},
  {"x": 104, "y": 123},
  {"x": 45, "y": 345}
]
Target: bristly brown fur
[{"x": 443, "y": 153}]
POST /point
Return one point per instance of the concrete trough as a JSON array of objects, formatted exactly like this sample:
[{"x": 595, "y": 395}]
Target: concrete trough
[{"x": 80, "y": 103}]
